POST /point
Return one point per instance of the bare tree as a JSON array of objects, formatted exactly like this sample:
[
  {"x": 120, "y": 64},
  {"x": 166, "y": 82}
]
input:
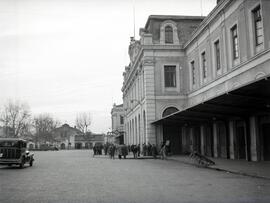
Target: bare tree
[
  {"x": 44, "y": 124},
  {"x": 15, "y": 117},
  {"x": 83, "y": 121}
]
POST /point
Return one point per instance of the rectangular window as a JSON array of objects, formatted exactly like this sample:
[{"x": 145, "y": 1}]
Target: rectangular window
[
  {"x": 170, "y": 76},
  {"x": 258, "y": 28},
  {"x": 193, "y": 72},
  {"x": 235, "y": 43},
  {"x": 121, "y": 120},
  {"x": 217, "y": 52},
  {"x": 204, "y": 70}
]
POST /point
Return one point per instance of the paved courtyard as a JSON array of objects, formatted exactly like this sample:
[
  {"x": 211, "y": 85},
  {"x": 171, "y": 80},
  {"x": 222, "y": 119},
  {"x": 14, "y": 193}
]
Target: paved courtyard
[{"x": 75, "y": 176}]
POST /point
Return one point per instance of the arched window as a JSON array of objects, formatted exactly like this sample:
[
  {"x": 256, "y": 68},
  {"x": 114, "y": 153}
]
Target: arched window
[
  {"x": 169, "y": 111},
  {"x": 168, "y": 35}
]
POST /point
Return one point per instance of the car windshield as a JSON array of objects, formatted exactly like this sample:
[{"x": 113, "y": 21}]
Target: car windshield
[{"x": 9, "y": 144}]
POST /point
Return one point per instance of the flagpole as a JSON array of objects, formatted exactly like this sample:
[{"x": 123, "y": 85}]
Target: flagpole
[
  {"x": 134, "y": 19},
  {"x": 201, "y": 9}
]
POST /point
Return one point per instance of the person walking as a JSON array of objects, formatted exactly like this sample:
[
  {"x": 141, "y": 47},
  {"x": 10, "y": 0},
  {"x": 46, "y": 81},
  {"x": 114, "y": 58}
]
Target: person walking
[
  {"x": 144, "y": 149},
  {"x": 119, "y": 150},
  {"x": 138, "y": 150},
  {"x": 154, "y": 151},
  {"x": 110, "y": 151},
  {"x": 94, "y": 150},
  {"x": 168, "y": 147},
  {"x": 125, "y": 151},
  {"x": 149, "y": 149},
  {"x": 106, "y": 148},
  {"x": 163, "y": 152},
  {"x": 134, "y": 151},
  {"x": 113, "y": 151}
]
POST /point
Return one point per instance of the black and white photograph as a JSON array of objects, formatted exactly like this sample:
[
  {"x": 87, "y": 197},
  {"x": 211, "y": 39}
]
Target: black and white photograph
[{"x": 134, "y": 101}]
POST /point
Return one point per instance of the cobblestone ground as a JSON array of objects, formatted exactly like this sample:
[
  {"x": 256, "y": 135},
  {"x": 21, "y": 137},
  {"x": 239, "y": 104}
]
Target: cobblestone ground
[{"x": 75, "y": 176}]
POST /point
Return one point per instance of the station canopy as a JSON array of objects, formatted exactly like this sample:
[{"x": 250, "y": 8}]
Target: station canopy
[{"x": 252, "y": 99}]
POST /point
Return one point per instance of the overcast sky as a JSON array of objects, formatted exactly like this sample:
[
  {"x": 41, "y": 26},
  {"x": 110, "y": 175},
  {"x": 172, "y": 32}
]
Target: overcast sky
[{"x": 67, "y": 56}]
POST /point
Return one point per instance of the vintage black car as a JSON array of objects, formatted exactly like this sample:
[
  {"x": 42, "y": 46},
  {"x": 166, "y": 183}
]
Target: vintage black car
[{"x": 13, "y": 151}]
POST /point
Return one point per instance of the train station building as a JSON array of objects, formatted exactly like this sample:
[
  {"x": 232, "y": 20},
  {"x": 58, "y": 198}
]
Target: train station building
[{"x": 202, "y": 82}]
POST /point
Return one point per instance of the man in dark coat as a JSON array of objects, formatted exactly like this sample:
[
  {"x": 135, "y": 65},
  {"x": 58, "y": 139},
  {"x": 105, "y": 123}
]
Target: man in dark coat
[
  {"x": 124, "y": 151},
  {"x": 113, "y": 149},
  {"x": 134, "y": 150},
  {"x": 149, "y": 149},
  {"x": 154, "y": 151},
  {"x": 144, "y": 149},
  {"x": 138, "y": 150}
]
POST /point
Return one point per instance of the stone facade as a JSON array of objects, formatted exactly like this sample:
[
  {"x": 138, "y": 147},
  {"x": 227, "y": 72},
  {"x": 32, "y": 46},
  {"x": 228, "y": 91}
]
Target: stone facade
[
  {"x": 144, "y": 94},
  {"x": 66, "y": 136},
  {"x": 221, "y": 68},
  {"x": 118, "y": 119}
]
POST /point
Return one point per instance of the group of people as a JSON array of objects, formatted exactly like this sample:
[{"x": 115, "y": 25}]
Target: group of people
[
  {"x": 147, "y": 150},
  {"x": 111, "y": 150},
  {"x": 97, "y": 149},
  {"x": 123, "y": 150}
]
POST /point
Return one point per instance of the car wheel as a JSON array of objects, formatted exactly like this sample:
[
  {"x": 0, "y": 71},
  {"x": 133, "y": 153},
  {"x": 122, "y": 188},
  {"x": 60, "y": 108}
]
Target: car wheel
[{"x": 22, "y": 163}]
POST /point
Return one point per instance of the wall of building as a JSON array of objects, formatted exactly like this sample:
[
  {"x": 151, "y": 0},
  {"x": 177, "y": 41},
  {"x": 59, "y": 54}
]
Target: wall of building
[
  {"x": 144, "y": 79},
  {"x": 117, "y": 113},
  {"x": 235, "y": 13},
  {"x": 252, "y": 65}
]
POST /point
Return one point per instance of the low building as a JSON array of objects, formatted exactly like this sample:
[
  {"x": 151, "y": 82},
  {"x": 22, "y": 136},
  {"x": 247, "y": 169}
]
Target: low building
[
  {"x": 88, "y": 140},
  {"x": 65, "y": 136}
]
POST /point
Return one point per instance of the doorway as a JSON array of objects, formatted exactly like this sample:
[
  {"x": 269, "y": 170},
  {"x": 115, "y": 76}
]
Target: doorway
[
  {"x": 62, "y": 146},
  {"x": 208, "y": 141},
  {"x": 173, "y": 133},
  {"x": 241, "y": 141},
  {"x": 197, "y": 140},
  {"x": 78, "y": 145},
  {"x": 266, "y": 141},
  {"x": 221, "y": 140}
]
